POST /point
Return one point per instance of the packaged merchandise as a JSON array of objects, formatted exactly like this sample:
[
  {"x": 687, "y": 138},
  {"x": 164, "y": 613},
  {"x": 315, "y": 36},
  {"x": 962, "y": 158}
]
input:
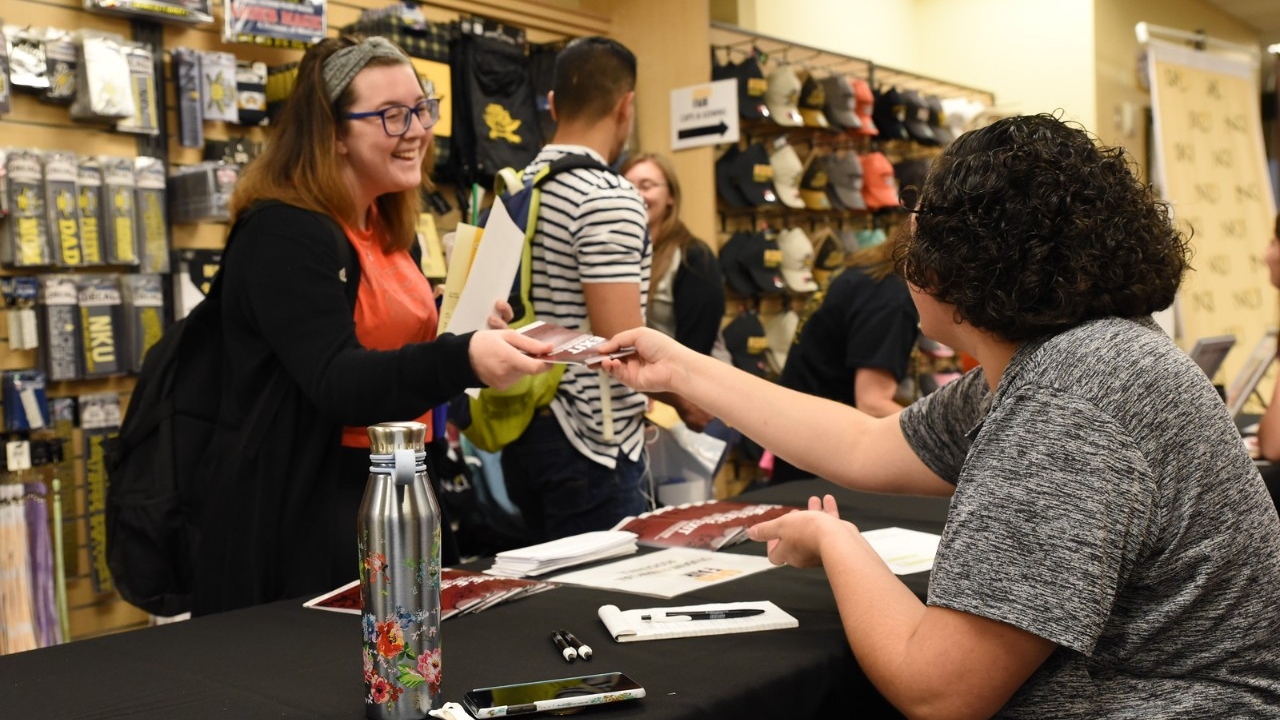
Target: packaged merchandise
[
  {"x": 28, "y": 237},
  {"x": 103, "y": 91},
  {"x": 100, "y": 324},
  {"x": 202, "y": 192},
  {"x": 28, "y": 67},
  {"x": 26, "y": 404},
  {"x": 64, "y": 208},
  {"x": 193, "y": 278},
  {"x": 60, "y": 59},
  {"x": 20, "y": 293},
  {"x": 218, "y": 86},
  {"x": 58, "y": 317},
  {"x": 92, "y": 217},
  {"x": 186, "y": 79},
  {"x": 6, "y": 105},
  {"x": 143, "y": 298},
  {"x": 119, "y": 227},
  {"x": 153, "y": 231},
  {"x": 251, "y": 92},
  {"x": 142, "y": 74}
]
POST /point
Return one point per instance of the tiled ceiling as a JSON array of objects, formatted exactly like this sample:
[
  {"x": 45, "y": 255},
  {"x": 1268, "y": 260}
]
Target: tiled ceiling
[{"x": 1264, "y": 15}]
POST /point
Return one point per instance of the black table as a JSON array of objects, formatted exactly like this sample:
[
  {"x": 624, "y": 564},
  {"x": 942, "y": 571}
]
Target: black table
[{"x": 286, "y": 661}]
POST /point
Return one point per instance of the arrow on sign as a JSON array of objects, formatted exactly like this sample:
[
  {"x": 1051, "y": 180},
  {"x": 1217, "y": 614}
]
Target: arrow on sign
[{"x": 718, "y": 129}]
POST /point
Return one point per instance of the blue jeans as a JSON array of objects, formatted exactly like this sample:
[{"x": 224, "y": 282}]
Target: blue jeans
[{"x": 560, "y": 491}]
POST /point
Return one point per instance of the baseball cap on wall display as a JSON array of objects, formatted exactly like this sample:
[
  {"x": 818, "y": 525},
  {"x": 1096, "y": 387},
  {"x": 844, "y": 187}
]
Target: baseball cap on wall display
[
  {"x": 938, "y": 120},
  {"x": 840, "y": 102},
  {"x": 764, "y": 261},
  {"x": 813, "y": 102},
  {"x": 783, "y": 96},
  {"x": 813, "y": 184},
  {"x": 828, "y": 257},
  {"x": 751, "y": 89},
  {"x": 844, "y": 180},
  {"x": 746, "y": 342},
  {"x": 916, "y": 118},
  {"x": 797, "y": 260},
  {"x": 911, "y": 173},
  {"x": 726, "y": 187},
  {"x": 734, "y": 266},
  {"x": 864, "y": 103},
  {"x": 780, "y": 335},
  {"x": 889, "y": 113},
  {"x": 879, "y": 188},
  {"x": 787, "y": 169},
  {"x": 753, "y": 175}
]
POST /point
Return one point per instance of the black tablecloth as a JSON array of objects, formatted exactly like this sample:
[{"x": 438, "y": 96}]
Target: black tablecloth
[{"x": 286, "y": 661}]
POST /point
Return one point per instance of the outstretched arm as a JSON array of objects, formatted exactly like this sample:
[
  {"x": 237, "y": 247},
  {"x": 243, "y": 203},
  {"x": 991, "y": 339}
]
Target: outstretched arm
[{"x": 826, "y": 438}]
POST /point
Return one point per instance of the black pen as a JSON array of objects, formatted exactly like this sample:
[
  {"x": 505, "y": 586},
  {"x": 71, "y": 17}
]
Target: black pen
[
  {"x": 584, "y": 650},
  {"x": 683, "y": 615},
  {"x": 567, "y": 652}
]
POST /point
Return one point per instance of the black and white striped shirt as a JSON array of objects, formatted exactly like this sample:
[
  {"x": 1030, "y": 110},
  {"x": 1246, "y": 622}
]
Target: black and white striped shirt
[{"x": 592, "y": 228}]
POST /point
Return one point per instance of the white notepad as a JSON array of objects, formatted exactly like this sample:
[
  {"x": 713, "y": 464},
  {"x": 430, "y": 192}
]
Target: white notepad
[{"x": 626, "y": 625}]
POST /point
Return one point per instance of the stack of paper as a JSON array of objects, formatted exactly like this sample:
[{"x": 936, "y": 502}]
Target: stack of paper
[
  {"x": 562, "y": 553},
  {"x": 709, "y": 525},
  {"x": 461, "y": 592}
]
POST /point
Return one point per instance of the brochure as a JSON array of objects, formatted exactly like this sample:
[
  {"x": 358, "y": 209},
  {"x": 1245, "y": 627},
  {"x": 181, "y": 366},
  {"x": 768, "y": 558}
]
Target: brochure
[
  {"x": 461, "y": 592},
  {"x": 709, "y": 525},
  {"x": 570, "y": 346},
  {"x": 668, "y": 573}
]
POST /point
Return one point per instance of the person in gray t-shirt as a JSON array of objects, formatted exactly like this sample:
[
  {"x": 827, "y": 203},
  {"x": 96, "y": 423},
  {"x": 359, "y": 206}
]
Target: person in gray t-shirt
[{"x": 1111, "y": 550}]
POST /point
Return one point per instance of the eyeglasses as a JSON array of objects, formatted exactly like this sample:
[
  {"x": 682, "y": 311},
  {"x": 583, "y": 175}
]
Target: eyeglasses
[
  {"x": 396, "y": 119},
  {"x": 647, "y": 185}
]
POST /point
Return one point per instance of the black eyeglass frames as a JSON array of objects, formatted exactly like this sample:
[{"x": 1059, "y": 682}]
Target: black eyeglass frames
[{"x": 396, "y": 119}]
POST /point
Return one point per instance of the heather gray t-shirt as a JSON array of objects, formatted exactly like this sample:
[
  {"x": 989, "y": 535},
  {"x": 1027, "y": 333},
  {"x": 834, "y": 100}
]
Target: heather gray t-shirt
[{"x": 1104, "y": 501}]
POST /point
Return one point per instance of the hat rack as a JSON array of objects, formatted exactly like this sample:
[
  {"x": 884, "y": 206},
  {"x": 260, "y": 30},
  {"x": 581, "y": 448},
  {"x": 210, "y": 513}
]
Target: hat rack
[{"x": 740, "y": 42}]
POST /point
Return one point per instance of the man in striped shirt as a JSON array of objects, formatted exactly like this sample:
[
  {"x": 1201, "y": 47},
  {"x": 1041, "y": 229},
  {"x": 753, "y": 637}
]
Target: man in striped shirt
[{"x": 580, "y": 464}]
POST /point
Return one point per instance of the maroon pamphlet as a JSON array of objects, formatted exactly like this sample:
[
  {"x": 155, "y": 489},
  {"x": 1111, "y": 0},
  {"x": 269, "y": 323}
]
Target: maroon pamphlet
[
  {"x": 461, "y": 592},
  {"x": 571, "y": 346},
  {"x": 708, "y": 525}
]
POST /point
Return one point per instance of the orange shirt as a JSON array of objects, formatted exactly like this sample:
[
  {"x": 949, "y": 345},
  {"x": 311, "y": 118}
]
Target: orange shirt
[{"x": 394, "y": 307}]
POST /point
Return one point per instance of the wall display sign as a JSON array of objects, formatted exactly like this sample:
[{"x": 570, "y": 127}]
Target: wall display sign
[
  {"x": 194, "y": 12},
  {"x": 274, "y": 23},
  {"x": 1211, "y": 167},
  {"x": 705, "y": 114}
]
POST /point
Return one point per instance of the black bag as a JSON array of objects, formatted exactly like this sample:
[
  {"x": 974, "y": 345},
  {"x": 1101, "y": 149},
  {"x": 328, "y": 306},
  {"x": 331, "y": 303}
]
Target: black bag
[{"x": 153, "y": 499}]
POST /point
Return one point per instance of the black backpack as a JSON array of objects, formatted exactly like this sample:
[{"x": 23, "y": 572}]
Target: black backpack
[{"x": 153, "y": 498}]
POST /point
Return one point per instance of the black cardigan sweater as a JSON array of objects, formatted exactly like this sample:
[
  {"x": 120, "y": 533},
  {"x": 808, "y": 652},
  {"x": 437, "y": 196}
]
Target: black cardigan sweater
[{"x": 277, "y": 519}]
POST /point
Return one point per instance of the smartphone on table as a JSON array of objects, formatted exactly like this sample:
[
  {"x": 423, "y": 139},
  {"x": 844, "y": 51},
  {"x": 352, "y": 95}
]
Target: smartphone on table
[{"x": 555, "y": 696}]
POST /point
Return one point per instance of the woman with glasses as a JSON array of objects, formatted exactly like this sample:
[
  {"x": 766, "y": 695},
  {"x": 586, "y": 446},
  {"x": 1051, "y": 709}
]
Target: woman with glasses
[
  {"x": 1110, "y": 550},
  {"x": 329, "y": 322},
  {"x": 686, "y": 290}
]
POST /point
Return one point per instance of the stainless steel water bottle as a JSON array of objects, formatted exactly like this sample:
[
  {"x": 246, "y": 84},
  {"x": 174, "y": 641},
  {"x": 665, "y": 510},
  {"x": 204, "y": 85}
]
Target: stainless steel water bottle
[{"x": 399, "y": 540}]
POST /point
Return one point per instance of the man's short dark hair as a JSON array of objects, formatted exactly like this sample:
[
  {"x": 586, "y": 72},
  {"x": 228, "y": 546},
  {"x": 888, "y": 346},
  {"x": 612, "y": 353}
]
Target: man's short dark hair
[
  {"x": 591, "y": 74},
  {"x": 1029, "y": 227}
]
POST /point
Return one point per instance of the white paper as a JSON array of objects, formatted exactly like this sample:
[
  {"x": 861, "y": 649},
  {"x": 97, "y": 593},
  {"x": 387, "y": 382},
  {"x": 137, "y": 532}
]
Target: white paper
[
  {"x": 627, "y": 625},
  {"x": 496, "y": 263},
  {"x": 904, "y": 551},
  {"x": 564, "y": 552},
  {"x": 668, "y": 573}
]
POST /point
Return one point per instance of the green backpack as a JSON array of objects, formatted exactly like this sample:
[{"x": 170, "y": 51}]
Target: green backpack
[{"x": 499, "y": 417}]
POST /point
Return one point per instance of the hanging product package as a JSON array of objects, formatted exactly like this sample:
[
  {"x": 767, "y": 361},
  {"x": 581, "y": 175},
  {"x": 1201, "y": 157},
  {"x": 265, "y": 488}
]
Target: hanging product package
[
  {"x": 194, "y": 12},
  {"x": 58, "y": 319},
  {"x": 143, "y": 298},
  {"x": 26, "y": 404},
  {"x": 218, "y": 87},
  {"x": 28, "y": 67},
  {"x": 251, "y": 92},
  {"x": 186, "y": 79},
  {"x": 27, "y": 244},
  {"x": 153, "y": 231},
  {"x": 89, "y": 190},
  {"x": 100, "y": 324},
  {"x": 142, "y": 76},
  {"x": 6, "y": 106},
  {"x": 60, "y": 59},
  {"x": 119, "y": 229},
  {"x": 64, "y": 208},
  {"x": 103, "y": 92}
]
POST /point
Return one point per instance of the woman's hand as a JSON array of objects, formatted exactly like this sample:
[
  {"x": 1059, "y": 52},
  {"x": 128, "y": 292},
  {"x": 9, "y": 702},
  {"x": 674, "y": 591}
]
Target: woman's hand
[
  {"x": 651, "y": 367},
  {"x": 796, "y": 538},
  {"x": 501, "y": 315},
  {"x": 693, "y": 416},
  {"x": 501, "y": 357}
]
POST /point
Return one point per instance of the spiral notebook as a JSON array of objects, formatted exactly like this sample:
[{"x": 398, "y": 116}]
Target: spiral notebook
[{"x": 627, "y": 625}]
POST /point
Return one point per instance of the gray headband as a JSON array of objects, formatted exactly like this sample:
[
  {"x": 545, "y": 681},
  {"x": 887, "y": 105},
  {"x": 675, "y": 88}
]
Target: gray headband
[{"x": 342, "y": 66}]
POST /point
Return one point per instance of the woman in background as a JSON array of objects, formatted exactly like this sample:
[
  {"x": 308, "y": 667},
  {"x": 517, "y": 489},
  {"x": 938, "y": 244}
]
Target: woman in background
[
  {"x": 686, "y": 289},
  {"x": 329, "y": 326},
  {"x": 856, "y": 347}
]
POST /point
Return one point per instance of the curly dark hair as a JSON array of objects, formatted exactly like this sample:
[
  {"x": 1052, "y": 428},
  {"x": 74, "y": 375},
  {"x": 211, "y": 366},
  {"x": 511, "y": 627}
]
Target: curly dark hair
[{"x": 1029, "y": 227}]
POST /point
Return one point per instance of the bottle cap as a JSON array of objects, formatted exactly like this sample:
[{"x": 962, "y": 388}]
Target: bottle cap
[{"x": 386, "y": 438}]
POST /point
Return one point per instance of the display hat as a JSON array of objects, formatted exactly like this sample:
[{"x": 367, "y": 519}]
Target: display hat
[
  {"x": 751, "y": 89},
  {"x": 813, "y": 103},
  {"x": 890, "y": 111},
  {"x": 726, "y": 186},
  {"x": 938, "y": 120},
  {"x": 813, "y": 184},
  {"x": 764, "y": 261},
  {"x": 783, "y": 96},
  {"x": 745, "y": 339},
  {"x": 734, "y": 266},
  {"x": 911, "y": 172},
  {"x": 844, "y": 180},
  {"x": 840, "y": 102},
  {"x": 780, "y": 335},
  {"x": 916, "y": 118},
  {"x": 828, "y": 257},
  {"x": 787, "y": 169},
  {"x": 864, "y": 103},
  {"x": 797, "y": 260},
  {"x": 753, "y": 176},
  {"x": 879, "y": 188}
]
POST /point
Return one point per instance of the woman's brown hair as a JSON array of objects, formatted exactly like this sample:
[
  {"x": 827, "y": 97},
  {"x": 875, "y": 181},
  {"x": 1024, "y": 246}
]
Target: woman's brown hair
[
  {"x": 672, "y": 234},
  {"x": 300, "y": 165}
]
